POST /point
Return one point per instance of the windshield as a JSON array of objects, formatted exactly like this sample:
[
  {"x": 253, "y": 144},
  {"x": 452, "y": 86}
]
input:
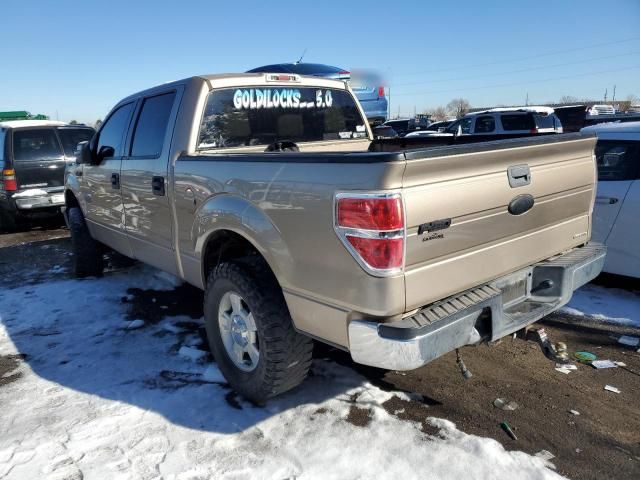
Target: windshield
[
  {"x": 71, "y": 137},
  {"x": 237, "y": 117}
]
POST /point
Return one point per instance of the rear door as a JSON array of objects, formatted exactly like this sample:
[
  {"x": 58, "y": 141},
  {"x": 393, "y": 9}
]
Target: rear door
[
  {"x": 463, "y": 224},
  {"x": 38, "y": 159},
  {"x": 617, "y": 204},
  {"x": 615, "y": 174},
  {"x": 145, "y": 180}
]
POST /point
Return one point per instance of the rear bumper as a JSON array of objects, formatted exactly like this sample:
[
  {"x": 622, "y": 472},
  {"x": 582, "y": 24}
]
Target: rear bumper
[
  {"x": 51, "y": 199},
  {"x": 488, "y": 312}
]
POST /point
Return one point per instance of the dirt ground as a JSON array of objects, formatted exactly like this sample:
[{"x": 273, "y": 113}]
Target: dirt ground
[{"x": 602, "y": 442}]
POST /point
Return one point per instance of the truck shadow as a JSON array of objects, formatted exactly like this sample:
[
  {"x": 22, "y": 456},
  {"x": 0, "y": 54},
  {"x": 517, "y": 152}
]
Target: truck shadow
[{"x": 75, "y": 333}]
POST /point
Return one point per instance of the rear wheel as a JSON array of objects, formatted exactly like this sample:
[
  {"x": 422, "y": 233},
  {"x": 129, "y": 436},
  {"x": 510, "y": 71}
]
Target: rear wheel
[
  {"x": 250, "y": 331},
  {"x": 87, "y": 252}
]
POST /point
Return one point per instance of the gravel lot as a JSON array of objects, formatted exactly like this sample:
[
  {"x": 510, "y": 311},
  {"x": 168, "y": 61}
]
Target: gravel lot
[{"x": 602, "y": 442}]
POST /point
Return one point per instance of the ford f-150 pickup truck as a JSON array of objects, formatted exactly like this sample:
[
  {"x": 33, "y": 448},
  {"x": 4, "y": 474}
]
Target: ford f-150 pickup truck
[{"x": 268, "y": 192}]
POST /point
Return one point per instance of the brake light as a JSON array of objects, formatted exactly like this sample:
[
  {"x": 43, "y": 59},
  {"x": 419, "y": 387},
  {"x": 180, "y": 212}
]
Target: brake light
[
  {"x": 9, "y": 180},
  {"x": 370, "y": 213},
  {"x": 372, "y": 227},
  {"x": 534, "y": 130},
  {"x": 381, "y": 91},
  {"x": 282, "y": 78}
]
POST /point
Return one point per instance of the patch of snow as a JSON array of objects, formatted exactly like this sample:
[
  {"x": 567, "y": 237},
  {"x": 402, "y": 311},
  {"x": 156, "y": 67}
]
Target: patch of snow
[
  {"x": 104, "y": 403},
  {"x": 134, "y": 324},
  {"x": 32, "y": 192},
  {"x": 213, "y": 374},
  {"x": 192, "y": 354},
  {"x": 611, "y": 305}
]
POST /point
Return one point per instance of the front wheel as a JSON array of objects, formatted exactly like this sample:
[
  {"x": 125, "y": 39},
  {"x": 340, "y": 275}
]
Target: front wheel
[
  {"x": 87, "y": 252},
  {"x": 250, "y": 331}
]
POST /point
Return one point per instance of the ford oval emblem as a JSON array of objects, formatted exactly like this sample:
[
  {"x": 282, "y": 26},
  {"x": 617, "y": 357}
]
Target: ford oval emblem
[{"x": 521, "y": 204}]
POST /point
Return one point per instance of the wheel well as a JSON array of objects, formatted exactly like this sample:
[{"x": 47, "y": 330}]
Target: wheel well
[
  {"x": 70, "y": 199},
  {"x": 223, "y": 246}
]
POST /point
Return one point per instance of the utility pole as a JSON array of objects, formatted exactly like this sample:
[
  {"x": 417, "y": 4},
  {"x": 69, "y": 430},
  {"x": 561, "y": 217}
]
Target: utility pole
[
  {"x": 605, "y": 95},
  {"x": 613, "y": 99},
  {"x": 398, "y": 112},
  {"x": 526, "y": 102}
]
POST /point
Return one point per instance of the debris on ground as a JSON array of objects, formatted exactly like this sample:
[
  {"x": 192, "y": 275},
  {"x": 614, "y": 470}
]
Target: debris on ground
[
  {"x": 598, "y": 364},
  {"x": 566, "y": 371},
  {"x": 629, "y": 340},
  {"x": 611, "y": 388},
  {"x": 507, "y": 428},
  {"x": 503, "y": 404},
  {"x": 585, "y": 357},
  {"x": 545, "y": 455},
  {"x": 574, "y": 412},
  {"x": 568, "y": 366}
]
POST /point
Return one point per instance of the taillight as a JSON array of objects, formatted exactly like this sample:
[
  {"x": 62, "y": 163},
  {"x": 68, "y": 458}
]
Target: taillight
[
  {"x": 9, "y": 180},
  {"x": 534, "y": 130},
  {"x": 372, "y": 227},
  {"x": 381, "y": 91}
]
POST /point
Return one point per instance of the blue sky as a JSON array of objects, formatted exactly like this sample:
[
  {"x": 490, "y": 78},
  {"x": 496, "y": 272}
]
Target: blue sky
[{"x": 78, "y": 58}]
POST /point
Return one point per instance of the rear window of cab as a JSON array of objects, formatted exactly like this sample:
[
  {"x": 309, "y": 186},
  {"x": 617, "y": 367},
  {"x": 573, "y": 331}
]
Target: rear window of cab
[{"x": 253, "y": 116}]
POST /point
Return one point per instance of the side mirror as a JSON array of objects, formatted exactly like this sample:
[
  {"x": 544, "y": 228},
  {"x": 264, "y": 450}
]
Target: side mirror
[
  {"x": 83, "y": 152},
  {"x": 105, "y": 152}
]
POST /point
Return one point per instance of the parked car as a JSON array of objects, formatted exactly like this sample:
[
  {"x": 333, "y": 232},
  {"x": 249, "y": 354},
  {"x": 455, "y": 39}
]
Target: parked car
[
  {"x": 371, "y": 94},
  {"x": 602, "y": 110},
  {"x": 263, "y": 190},
  {"x": 616, "y": 219},
  {"x": 403, "y": 126},
  {"x": 439, "y": 126},
  {"x": 33, "y": 156},
  {"x": 505, "y": 122},
  {"x": 384, "y": 131}
]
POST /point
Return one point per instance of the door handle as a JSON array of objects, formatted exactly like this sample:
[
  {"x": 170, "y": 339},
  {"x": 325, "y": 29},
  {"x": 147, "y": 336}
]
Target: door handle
[
  {"x": 519, "y": 175},
  {"x": 115, "y": 181},
  {"x": 157, "y": 186},
  {"x": 607, "y": 200}
]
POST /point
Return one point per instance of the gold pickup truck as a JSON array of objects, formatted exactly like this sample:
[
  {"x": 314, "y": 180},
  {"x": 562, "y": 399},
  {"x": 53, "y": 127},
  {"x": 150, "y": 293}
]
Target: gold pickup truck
[{"x": 269, "y": 192}]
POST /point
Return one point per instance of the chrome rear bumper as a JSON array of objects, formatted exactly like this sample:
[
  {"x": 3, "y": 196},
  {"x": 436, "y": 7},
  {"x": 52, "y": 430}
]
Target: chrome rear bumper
[{"x": 488, "y": 312}]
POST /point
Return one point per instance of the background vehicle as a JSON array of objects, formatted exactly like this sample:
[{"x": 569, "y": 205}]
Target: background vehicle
[
  {"x": 602, "y": 110},
  {"x": 384, "y": 131},
  {"x": 616, "y": 219},
  {"x": 368, "y": 87},
  {"x": 33, "y": 157},
  {"x": 439, "y": 126},
  {"x": 403, "y": 126},
  {"x": 268, "y": 192},
  {"x": 518, "y": 121}
]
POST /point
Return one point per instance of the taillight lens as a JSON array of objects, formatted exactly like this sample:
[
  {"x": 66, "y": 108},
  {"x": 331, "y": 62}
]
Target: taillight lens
[
  {"x": 372, "y": 228},
  {"x": 381, "y": 91},
  {"x": 9, "y": 180},
  {"x": 380, "y": 253},
  {"x": 370, "y": 213}
]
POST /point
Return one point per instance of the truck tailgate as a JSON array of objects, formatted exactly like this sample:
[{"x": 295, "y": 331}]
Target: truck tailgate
[{"x": 469, "y": 186}]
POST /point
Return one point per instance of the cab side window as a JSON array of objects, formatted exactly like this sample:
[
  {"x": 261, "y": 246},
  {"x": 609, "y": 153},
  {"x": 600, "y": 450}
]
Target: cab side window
[
  {"x": 151, "y": 127},
  {"x": 485, "y": 124},
  {"x": 618, "y": 160},
  {"x": 113, "y": 131}
]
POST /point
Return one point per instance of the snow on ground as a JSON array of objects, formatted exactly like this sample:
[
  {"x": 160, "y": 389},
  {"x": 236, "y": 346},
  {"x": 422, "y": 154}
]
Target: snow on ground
[
  {"x": 611, "y": 305},
  {"x": 97, "y": 401}
]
